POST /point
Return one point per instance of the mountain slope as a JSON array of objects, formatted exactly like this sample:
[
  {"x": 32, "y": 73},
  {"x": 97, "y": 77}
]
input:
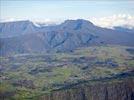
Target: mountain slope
[
  {"x": 11, "y": 29},
  {"x": 25, "y": 37}
]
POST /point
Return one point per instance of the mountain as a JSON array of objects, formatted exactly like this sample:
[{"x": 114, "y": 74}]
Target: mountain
[
  {"x": 123, "y": 29},
  {"x": 11, "y": 29},
  {"x": 26, "y": 37}
]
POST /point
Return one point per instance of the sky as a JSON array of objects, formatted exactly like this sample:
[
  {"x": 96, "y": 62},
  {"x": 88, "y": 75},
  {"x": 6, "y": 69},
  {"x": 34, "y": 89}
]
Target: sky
[{"x": 100, "y": 12}]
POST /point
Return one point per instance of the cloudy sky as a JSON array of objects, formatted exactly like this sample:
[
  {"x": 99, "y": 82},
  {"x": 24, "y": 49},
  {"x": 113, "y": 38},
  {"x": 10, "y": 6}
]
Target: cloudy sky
[{"x": 105, "y": 13}]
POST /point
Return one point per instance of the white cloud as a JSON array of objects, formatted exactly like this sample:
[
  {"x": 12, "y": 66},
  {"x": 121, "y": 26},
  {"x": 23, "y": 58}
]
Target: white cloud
[
  {"x": 115, "y": 20},
  {"x": 7, "y": 20},
  {"x": 108, "y": 22},
  {"x": 46, "y": 21}
]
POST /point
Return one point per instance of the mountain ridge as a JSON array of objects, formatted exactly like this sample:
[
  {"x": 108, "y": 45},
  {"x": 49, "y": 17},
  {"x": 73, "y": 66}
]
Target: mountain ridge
[{"x": 24, "y": 36}]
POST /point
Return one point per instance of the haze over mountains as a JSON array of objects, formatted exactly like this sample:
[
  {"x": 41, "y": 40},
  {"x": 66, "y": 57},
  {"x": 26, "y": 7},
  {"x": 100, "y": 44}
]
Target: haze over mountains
[{"x": 26, "y": 37}]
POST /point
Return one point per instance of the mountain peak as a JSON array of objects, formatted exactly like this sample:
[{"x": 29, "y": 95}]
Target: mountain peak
[
  {"x": 13, "y": 22},
  {"x": 82, "y": 21},
  {"x": 76, "y": 24},
  {"x": 16, "y": 28}
]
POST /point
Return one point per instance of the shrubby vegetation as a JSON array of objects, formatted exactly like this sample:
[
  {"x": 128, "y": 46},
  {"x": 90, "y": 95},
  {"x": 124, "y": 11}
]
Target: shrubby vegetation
[{"x": 31, "y": 75}]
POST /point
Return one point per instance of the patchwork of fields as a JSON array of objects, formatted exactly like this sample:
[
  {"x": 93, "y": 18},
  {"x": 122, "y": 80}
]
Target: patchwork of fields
[{"x": 30, "y": 75}]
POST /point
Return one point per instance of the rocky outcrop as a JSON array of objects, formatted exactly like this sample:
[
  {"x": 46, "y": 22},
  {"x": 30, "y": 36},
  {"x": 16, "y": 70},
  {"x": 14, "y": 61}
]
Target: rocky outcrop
[{"x": 106, "y": 90}]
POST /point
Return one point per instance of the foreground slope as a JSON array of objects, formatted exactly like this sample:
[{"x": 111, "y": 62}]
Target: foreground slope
[
  {"x": 95, "y": 72},
  {"x": 104, "y": 89}
]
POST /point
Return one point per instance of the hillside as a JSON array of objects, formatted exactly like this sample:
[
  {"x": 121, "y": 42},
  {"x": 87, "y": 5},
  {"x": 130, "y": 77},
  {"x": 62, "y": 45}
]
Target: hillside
[{"x": 94, "y": 71}]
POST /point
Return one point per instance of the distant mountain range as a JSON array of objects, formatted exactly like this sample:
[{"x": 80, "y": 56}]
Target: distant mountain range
[{"x": 26, "y": 37}]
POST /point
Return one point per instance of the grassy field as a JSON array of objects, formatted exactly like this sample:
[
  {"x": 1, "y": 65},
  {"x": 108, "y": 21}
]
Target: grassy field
[{"x": 28, "y": 75}]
